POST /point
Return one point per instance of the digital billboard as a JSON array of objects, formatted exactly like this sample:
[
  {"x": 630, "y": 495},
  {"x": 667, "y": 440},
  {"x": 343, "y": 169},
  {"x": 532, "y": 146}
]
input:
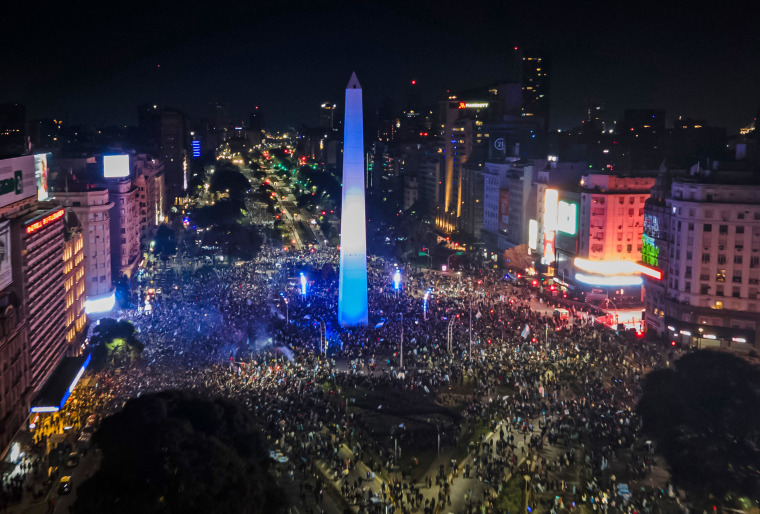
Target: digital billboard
[
  {"x": 567, "y": 217},
  {"x": 6, "y": 274},
  {"x": 115, "y": 166},
  {"x": 41, "y": 172},
  {"x": 17, "y": 181},
  {"x": 550, "y": 210},
  {"x": 548, "y": 256},
  {"x": 196, "y": 144},
  {"x": 503, "y": 210},
  {"x": 533, "y": 234}
]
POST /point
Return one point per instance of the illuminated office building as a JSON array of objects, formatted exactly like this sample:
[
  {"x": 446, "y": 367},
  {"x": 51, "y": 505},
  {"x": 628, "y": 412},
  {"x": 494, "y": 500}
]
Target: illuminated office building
[
  {"x": 74, "y": 278},
  {"x": 535, "y": 87}
]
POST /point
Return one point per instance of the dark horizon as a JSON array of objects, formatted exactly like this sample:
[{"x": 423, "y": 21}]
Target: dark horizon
[{"x": 94, "y": 67}]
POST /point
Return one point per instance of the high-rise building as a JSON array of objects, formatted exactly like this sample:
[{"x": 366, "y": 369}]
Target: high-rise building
[
  {"x": 702, "y": 240},
  {"x": 125, "y": 226},
  {"x": 149, "y": 181},
  {"x": 74, "y": 271},
  {"x": 92, "y": 207},
  {"x": 535, "y": 87},
  {"x": 327, "y": 116}
]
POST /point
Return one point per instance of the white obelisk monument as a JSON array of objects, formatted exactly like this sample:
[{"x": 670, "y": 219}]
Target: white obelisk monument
[{"x": 352, "y": 293}]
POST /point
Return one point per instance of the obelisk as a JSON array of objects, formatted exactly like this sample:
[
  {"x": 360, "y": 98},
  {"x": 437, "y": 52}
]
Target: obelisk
[{"x": 352, "y": 291}]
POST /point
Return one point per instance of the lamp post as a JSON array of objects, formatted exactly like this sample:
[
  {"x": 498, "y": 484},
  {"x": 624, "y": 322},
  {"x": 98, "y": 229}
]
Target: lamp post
[{"x": 402, "y": 341}]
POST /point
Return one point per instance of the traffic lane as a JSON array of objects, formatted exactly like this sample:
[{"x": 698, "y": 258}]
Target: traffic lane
[{"x": 88, "y": 464}]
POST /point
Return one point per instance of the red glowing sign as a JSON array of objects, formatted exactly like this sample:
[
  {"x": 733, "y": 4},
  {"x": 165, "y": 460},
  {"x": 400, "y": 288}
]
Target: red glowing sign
[
  {"x": 462, "y": 105},
  {"x": 34, "y": 227}
]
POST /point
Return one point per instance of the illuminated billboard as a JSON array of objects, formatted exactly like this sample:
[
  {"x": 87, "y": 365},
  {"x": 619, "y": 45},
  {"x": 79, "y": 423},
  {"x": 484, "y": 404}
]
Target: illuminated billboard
[
  {"x": 115, "y": 166},
  {"x": 473, "y": 105},
  {"x": 41, "y": 172},
  {"x": 548, "y": 256},
  {"x": 550, "y": 210},
  {"x": 196, "y": 148},
  {"x": 6, "y": 274},
  {"x": 17, "y": 180},
  {"x": 532, "y": 234},
  {"x": 567, "y": 218},
  {"x": 649, "y": 251}
]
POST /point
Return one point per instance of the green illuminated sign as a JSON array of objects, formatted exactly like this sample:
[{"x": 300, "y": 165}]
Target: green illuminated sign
[{"x": 649, "y": 251}]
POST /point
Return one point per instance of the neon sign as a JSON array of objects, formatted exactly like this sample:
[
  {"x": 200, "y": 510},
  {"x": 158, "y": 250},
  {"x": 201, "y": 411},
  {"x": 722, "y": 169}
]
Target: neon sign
[
  {"x": 649, "y": 251},
  {"x": 34, "y": 227},
  {"x": 473, "y": 105}
]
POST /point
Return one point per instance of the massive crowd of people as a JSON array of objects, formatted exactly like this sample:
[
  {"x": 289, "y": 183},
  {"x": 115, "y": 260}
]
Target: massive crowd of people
[{"x": 248, "y": 332}]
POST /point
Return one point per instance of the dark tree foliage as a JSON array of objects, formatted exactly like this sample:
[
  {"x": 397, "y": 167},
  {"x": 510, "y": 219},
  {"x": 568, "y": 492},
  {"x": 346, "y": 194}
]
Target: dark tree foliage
[
  {"x": 237, "y": 241},
  {"x": 165, "y": 242},
  {"x": 705, "y": 418},
  {"x": 222, "y": 212},
  {"x": 227, "y": 177},
  {"x": 114, "y": 342},
  {"x": 172, "y": 452}
]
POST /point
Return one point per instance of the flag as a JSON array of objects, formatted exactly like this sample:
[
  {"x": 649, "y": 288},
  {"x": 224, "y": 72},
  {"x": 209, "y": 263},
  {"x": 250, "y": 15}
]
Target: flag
[
  {"x": 382, "y": 322},
  {"x": 526, "y": 332},
  {"x": 478, "y": 315}
]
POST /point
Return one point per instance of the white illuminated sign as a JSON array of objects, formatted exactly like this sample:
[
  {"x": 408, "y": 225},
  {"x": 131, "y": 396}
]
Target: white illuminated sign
[
  {"x": 115, "y": 166},
  {"x": 533, "y": 234},
  {"x": 567, "y": 218},
  {"x": 609, "y": 280},
  {"x": 550, "y": 210}
]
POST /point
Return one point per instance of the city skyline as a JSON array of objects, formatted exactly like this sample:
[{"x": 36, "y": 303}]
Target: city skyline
[{"x": 286, "y": 59}]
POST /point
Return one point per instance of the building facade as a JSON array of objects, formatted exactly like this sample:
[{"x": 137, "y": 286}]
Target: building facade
[{"x": 706, "y": 243}]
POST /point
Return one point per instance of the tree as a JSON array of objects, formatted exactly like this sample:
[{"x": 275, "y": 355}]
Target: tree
[
  {"x": 115, "y": 342},
  {"x": 517, "y": 258},
  {"x": 165, "y": 242},
  {"x": 704, "y": 415},
  {"x": 222, "y": 212},
  {"x": 173, "y": 452},
  {"x": 228, "y": 178}
]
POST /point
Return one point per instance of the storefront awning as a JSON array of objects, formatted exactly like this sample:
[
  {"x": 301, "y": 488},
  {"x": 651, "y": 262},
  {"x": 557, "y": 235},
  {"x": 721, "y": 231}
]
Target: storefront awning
[{"x": 53, "y": 395}]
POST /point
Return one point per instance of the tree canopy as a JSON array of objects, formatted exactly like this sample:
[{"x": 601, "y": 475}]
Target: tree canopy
[
  {"x": 705, "y": 417},
  {"x": 172, "y": 452},
  {"x": 115, "y": 342},
  {"x": 165, "y": 242},
  {"x": 227, "y": 177}
]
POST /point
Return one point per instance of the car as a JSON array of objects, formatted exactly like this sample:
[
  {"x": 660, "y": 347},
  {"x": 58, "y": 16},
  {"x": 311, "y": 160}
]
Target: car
[
  {"x": 83, "y": 443},
  {"x": 72, "y": 460},
  {"x": 64, "y": 487}
]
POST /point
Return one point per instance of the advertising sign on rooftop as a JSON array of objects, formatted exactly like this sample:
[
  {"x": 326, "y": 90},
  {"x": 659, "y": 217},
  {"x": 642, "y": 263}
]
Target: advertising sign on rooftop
[
  {"x": 41, "y": 171},
  {"x": 17, "y": 180},
  {"x": 6, "y": 275},
  {"x": 115, "y": 166}
]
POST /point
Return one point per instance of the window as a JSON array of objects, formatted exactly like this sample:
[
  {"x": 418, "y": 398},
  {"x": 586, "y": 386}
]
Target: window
[
  {"x": 708, "y": 227},
  {"x": 102, "y": 278},
  {"x": 688, "y": 255},
  {"x": 94, "y": 279},
  {"x": 688, "y": 272},
  {"x": 740, "y": 229},
  {"x": 737, "y": 259},
  {"x": 737, "y": 278},
  {"x": 691, "y": 226},
  {"x": 704, "y": 289},
  {"x": 629, "y": 248},
  {"x": 740, "y": 215},
  {"x": 719, "y": 291},
  {"x": 754, "y": 262},
  {"x": 720, "y": 276},
  {"x": 721, "y": 259},
  {"x": 705, "y": 257},
  {"x": 688, "y": 287},
  {"x": 723, "y": 229}
]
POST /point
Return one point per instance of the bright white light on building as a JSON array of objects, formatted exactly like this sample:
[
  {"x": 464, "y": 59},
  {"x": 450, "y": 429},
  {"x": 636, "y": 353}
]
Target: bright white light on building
[
  {"x": 615, "y": 268},
  {"x": 609, "y": 280},
  {"x": 551, "y": 197},
  {"x": 104, "y": 303},
  {"x": 533, "y": 234},
  {"x": 303, "y": 284},
  {"x": 397, "y": 279}
]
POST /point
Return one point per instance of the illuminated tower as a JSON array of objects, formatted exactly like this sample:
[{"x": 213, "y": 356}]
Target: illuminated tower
[{"x": 352, "y": 298}]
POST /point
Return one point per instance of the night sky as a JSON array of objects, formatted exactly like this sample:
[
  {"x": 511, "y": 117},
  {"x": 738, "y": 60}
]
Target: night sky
[{"x": 93, "y": 64}]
